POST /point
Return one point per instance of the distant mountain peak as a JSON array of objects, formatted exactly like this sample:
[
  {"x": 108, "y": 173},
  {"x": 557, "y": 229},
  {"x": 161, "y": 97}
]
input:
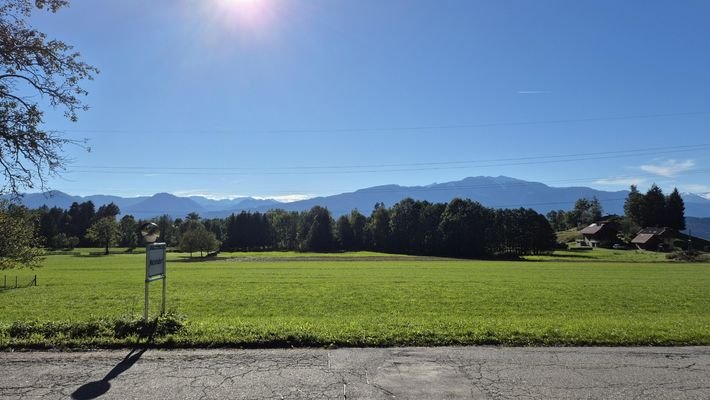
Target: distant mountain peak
[{"x": 496, "y": 192}]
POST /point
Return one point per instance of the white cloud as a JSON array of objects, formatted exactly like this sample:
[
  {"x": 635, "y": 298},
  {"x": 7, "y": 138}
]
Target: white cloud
[
  {"x": 207, "y": 194},
  {"x": 533, "y": 91},
  {"x": 620, "y": 181},
  {"x": 669, "y": 168},
  {"x": 286, "y": 198}
]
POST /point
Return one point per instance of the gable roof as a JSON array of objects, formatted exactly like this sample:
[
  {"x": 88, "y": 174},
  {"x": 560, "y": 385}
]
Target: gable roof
[
  {"x": 595, "y": 228},
  {"x": 642, "y": 238},
  {"x": 653, "y": 231},
  {"x": 647, "y": 234},
  {"x": 592, "y": 229}
]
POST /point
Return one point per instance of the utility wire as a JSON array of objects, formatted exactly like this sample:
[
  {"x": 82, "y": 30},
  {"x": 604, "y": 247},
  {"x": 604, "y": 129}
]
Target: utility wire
[
  {"x": 393, "y": 129},
  {"x": 633, "y": 152},
  {"x": 378, "y": 168}
]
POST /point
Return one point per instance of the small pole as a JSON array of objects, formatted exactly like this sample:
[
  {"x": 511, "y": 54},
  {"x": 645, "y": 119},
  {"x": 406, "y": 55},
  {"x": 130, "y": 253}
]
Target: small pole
[
  {"x": 162, "y": 306},
  {"x": 15, "y": 281},
  {"x": 690, "y": 241},
  {"x": 4, "y": 285},
  {"x": 35, "y": 280},
  {"x": 145, "y": 309}
]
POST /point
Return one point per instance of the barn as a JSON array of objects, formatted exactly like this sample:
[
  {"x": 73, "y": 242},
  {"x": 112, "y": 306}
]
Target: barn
[
  {"x": 654, "y": 239},
  {"x": 599, "y": 235}
]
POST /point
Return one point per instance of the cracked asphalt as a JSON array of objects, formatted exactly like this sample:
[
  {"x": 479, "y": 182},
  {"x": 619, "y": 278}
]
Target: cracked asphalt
[{"x": 402, "y": 373}]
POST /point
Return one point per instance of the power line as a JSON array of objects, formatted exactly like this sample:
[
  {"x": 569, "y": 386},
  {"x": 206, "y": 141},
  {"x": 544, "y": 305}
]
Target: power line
[
  {"x": 379, "y": 168},
  {"x": 639, "y": 152},
  {"x": 394, "y": 129}
]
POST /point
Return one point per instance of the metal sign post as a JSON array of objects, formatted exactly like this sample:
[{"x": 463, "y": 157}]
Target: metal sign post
[
  {"x": 154, "y": 270},
  {"x": 154, "y": 263}
]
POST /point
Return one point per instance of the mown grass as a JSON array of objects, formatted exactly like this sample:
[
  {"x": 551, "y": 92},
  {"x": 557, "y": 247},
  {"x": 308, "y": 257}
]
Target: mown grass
[
  {"x": 603, "y": 255},
  {"x": 370, "y": 299}
]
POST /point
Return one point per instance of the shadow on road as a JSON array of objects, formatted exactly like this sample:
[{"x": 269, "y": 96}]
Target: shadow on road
[{"x": 95, "y": 389}]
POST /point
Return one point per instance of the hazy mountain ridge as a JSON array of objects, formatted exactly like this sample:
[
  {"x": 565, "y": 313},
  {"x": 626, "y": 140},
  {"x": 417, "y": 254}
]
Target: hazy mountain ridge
[
  {"x": 699, "y": 227},
  {"x": 497, "y": 192}
]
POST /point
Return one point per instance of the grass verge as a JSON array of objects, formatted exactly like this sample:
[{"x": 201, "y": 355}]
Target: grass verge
[{"x": 364, "y": 300}]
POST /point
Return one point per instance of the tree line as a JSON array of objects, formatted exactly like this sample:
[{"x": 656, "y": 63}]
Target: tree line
[
  {"x": 652, "y": 209},
  {"x": 460, "y": 228}
]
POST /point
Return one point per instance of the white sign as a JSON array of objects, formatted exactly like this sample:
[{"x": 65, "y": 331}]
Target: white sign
[{"x": 155, "y": 260}]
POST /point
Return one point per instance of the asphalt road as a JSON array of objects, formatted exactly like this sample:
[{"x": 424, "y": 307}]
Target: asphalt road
[{"x": 402, "y": 373}]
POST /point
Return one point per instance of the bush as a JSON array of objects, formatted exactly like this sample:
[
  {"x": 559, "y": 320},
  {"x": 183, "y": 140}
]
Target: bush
[
  {"x": 119, "y": 328},
  {"x": 61, "y": 241},
  {"x": 683, "y": 255}
]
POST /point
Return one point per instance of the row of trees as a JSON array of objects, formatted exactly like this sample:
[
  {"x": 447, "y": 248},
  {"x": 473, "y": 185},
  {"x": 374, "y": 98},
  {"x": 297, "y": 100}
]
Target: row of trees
[
  {"x": 585, "y": 212},
  {"x": 61, "y": 228},
  {"x": 461, "y": 228},
  {"x": 655, "y": 209}
]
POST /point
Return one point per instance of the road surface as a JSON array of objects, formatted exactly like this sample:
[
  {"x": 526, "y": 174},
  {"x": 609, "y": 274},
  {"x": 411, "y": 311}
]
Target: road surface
[{"x": 393, "y": 373}]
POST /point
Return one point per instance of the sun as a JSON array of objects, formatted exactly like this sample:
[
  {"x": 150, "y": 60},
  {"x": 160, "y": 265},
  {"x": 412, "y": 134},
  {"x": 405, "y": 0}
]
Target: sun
[
  {"x": 228, "y": 3},
  {"x": 243, "y": 14}
]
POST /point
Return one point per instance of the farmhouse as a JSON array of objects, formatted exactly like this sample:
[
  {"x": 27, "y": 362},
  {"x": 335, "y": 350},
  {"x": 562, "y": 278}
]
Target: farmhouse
[
  {"x": 601, "y": 234},
  {"x": 654, "y": 239}
]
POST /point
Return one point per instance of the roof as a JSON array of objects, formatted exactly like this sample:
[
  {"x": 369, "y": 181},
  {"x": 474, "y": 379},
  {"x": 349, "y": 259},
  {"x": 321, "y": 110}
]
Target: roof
[
  {"x": 653, "y": 231},
  {"x": 643, "y": 238},
  {"x": 592, "y": 229},
  {"x": 595, "y": 228}
]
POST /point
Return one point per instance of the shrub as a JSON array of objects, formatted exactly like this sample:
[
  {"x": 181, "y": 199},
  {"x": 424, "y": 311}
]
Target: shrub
[
  {"x": 683, "y": 255},
  {"x": 122, "y": 327}
]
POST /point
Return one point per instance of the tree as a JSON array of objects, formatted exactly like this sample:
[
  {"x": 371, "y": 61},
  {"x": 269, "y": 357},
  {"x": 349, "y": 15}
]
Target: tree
[
  {"x": 198, "y": 238},
  {"x": 168, "y": 233},
  {"x": 379, "y": 228},
  {"x": 405, "y": 237},
  {"x": 35, "y": 73},
  {"x": 18, "y": 243},
  {"x": 654, "y": 207},
  {"x": 105, "y": 232},
  {"x": 344, "y": 233},
  {"x": 465, "y": 227},
  {"x": 633, "y": 206},
  {"x": 284, "y": 229},
  {"x": 317, "y": 225},
  {"x": 129, "y": 232},
  {"x": 79, "y": 218},
  {"x": 675, "y": 211},
  {"x": 357, "y": 225},
  {"x": 108, "y": 210},
  {"x": 558, "y": 220},
  {"x": 585, "y": 212}
]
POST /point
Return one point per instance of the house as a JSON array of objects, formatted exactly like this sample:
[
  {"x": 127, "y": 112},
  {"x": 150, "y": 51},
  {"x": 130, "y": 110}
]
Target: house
[
  {"x": 654, "y": 239},
  {"x": 602, "y": 234}
]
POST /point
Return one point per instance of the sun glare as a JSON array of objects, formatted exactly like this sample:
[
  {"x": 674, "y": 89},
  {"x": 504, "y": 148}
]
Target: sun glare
[{"x": 250, "y": 15}]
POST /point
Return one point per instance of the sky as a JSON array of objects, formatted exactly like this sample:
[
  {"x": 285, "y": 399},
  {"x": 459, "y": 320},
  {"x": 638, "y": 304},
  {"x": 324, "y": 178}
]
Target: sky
[{"x": 290, "y": 99}]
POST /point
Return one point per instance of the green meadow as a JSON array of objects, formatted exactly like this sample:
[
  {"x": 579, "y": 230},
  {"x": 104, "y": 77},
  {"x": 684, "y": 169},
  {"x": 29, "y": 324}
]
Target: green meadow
[{"x": 602, "y": 297}]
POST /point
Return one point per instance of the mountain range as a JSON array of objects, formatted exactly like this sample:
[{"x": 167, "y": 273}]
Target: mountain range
[{"x": 496, "y": 192}]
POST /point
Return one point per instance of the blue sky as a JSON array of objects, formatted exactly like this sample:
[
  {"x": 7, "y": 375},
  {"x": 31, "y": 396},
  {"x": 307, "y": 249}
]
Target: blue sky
[{"x": 279, "y": 98}]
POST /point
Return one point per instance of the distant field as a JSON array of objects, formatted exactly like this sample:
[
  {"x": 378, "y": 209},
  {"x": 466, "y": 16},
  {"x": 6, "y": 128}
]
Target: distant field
[{"x": 369, "y": 299}]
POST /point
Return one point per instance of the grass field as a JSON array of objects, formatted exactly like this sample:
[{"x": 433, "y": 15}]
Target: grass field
[{"x": 370, "y": 299}]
